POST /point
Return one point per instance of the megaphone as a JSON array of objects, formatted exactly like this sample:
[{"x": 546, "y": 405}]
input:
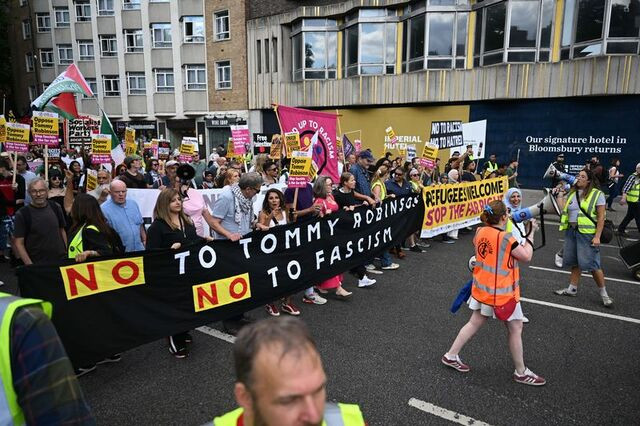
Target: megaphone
[
  {"x": 548, "y": 204},
  {"x": 553, "y": 172},
  {"x": 185, "y": 172}
]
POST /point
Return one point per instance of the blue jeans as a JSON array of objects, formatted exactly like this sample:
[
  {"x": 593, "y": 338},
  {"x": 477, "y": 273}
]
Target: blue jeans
[
  {"x": 385, "y": 258},
  {"x": 579, "y": 252}
]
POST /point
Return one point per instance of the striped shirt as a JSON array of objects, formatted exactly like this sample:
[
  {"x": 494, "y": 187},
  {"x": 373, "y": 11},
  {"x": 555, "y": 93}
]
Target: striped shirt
[{"x": 629, "y": 183}]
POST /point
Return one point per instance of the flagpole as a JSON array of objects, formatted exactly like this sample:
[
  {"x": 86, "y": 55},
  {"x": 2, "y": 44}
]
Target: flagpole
[
  {"x": 15, "y": 167},
  {"x": 46, "y": 163},
  {"x": 295, "y": 192}
]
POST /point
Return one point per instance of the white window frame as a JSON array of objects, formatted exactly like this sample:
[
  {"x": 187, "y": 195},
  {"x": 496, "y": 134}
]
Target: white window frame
[
  {"x": 33, "y": 93},
  {"x": 112, "y": 41},
  {"x": 47, "y": 54},
  {"x": 193, "y": 39},
  {"x": 219, "y": 18},
  {"x": 161, "y": 44},
  {"x": 133, "y": 83},
  {"x": 23, "y": 3},
  {"x": 109, "y": 85},
  {"x": 103, "y": 7},
  {"x": 29, "y": 62},
  {"x": 43, "y": 22},
  {"x": 26, "y": 29},
  {"x": 131, "y": 4},
  {"x": 198, "y": 70},
  {"x": 62, "y": 12},
  {"x": 164, "y": 72},
  {"x": 83, "y": 11},
  {"x": 223, "y": 84},
  {"x": 93, "y": 85},
  {"x": 64, "y": 59},
  {"x": 44, "y": 86},
  {"x": 135, "y": 35},
  {"x": 86, "y": 45}
]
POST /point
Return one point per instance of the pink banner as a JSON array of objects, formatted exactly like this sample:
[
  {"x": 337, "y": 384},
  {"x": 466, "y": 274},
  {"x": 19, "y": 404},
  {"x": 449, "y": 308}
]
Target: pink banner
[
  {"x": 240, "y": 135},
  {"x": 318, "y": 131},
  {"x": 16, "y": 147},
  {"x": 100, "y": 158},
  {"x": 297, "y": 181},
  {"x": 49, "y": 140}
]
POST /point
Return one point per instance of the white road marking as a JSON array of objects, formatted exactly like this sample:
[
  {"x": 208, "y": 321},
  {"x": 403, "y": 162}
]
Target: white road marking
[
  {"x": 540, "y": 268},
  {"x": 452, "y": 416},
  {"x": 614, "y": 258},
  {"x": 584, "y": 311},
  {"x": 217, "y": 334}
]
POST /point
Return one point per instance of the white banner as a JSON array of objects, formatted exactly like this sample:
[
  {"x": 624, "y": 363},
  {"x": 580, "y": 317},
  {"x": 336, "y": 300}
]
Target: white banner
[{"x": 146, "y": 199}]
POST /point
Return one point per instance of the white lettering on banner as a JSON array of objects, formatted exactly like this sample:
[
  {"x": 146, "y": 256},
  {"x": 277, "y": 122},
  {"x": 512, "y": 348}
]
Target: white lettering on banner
[
  {"x": 244, "y": 242},
  {"x": 212, "y": 254},
  {"x": 289, "y": 234},
  {"x": 181, "y": 256}
]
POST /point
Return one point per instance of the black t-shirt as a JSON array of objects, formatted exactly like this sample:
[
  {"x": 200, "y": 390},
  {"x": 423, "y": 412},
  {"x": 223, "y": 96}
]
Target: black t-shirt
[
  {"x": 467, "y": 177},
  {"x": 344, "y": 199},
  {"x": 161, "y": 236},
  {"x": 132, "y": 181},
  {"x": 42, "y": 240}
]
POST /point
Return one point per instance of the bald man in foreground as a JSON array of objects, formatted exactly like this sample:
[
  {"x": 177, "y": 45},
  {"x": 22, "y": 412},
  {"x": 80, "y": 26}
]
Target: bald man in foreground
[{"x": 124, "y": 216}]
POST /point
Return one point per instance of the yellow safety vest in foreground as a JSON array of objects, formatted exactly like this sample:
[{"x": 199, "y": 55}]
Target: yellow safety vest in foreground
[
  {"x": 10, "y": 411},
  {"x": 334, "y": 415},
  {"x": 585, "y": 225},
  {"x": 76, "y": 246}
]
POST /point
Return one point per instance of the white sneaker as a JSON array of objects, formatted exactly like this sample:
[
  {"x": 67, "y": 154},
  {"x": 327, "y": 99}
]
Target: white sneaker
[
  {"x": 1, "y": 283},
  {"x": 314, "y": 299},
  {"x": 525, "y": 319},
  {"x": 391, "y": 266},
  {"x": 366, "y": 282},
  {"x": 607, "y": 301},
  {"x": 558, "y": 261},
  {"x": 371, "y": 268}
]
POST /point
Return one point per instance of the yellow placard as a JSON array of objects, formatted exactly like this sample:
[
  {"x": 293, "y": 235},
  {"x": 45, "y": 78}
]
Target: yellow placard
[
  {"x": 17, "y": 132},
  {"x": 275, "y": 152},
  {"x": 389, "y": 131},
  {"x": 230, "y": 153},
  {"x": 454, "y": 206},
  {"x": 130, "y": 146},
  {"x": 186, "y": 149},
  {"x": 300, "y": 165},
  {"x": 313, "y": 170},
  {"x": 45, "y": 123},
  {"x": 87, "y": 279},
  {"x": 292, "y": 143},
  {"x": 100, "y": 144},
  {"x": 92, "y": 179},
  {"x": 221, "y": 292},
  {"x": 430, "y": 151},
  {"x": 3, "y": 129}
]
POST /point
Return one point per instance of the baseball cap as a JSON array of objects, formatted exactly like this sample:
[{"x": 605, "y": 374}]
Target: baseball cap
[
  {"x": 366, "y": 154},
  {"x": 171, "y": 163}
]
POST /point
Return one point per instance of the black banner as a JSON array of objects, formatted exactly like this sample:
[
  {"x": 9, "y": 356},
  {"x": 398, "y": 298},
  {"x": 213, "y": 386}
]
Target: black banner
[
  {"x": 261, "y": 143},
  {"x": 114, "y": 304},
  {"x": 446, "y": 134}
]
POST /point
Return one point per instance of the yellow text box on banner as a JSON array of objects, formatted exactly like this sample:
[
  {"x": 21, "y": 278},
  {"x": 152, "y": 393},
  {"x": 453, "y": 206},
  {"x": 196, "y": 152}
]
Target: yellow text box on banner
[
  {"x": 292, "y": 143},
  {"x": 454, "y": 206},
  {"x": 275, "y": 152},
  {"x": 45, "y": 123},
  {"x": 130, "y": 146},
  {"x": 87, "y": 279},
  {"x": 3, "y": 129},
  {"x": 221, "y": 292}
]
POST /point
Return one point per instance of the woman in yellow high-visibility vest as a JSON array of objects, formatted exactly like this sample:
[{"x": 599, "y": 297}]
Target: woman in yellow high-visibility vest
[{"x": 582, "y": 219}]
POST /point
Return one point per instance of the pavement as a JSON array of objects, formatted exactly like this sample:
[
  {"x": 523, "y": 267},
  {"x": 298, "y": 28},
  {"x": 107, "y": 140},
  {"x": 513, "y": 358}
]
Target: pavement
[{"x": 382, "y": 348}]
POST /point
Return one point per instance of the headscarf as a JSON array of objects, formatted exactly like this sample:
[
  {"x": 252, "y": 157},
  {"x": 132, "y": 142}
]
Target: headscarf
[
  {"x": 451, "y": 174},
  {"x": 507, "y": 198},
  {"x": 242, "y": 205}
]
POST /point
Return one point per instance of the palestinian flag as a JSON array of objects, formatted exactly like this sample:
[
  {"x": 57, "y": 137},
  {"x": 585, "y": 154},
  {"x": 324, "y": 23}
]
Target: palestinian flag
[
  {"x": 117, "y": 153},
  {"x": 70, "y": 81},
  {"x": 64, "y": 105}
]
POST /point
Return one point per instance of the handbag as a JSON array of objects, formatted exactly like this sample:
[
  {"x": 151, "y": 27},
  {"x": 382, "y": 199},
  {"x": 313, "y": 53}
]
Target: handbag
[
  {"x": 607, "y": 230},
  {"x": 502, "y": 312}
]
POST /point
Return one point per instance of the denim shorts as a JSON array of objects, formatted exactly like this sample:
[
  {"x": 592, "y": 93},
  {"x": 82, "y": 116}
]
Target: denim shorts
[{"x": 579, "y": 252}]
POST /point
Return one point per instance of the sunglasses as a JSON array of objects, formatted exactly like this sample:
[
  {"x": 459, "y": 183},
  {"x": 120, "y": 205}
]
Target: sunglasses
[
  {"x": 399, "y": 174},
  {"x": 55, "y": 178},
  {"x": 414, "y": 174}
]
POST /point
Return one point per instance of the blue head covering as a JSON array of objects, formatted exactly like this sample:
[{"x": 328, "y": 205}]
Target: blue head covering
[{"x": 507, "y": 197}]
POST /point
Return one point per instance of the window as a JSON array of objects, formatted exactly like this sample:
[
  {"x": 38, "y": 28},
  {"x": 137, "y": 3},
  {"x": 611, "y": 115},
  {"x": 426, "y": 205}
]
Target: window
[
  {"x": 83, "y": 11},
  {"x": 23, "y": 3},
  {"x": 62, "y": 16},
  {"x": 164, "y": 80},
  {"x": 315, "y": 49},
  {"x": 417, "y": 27},
  {"x": 161, "y": 35},
  {"x": 85, "y": 50},
  {"x": 137, "y": 83},
  {"x": 133, "y": 40},
  {"x": 33, "y": 93},
  {"x": 111, "y": 85},
  {"x": 106, "y": 8},
  {"x": 624, "y": 22},
  {"x": 222, "y": 25},
  {"x": 46, "y": 58},
  {"x": 259, "y": 55},
  {"x": 108, "y": 45},
  {"x": 274, "y": 49},
  {"x": 43, "y": 22},
  {"x": 93, "y": 85},
  {"x": 29, "y": 62},
  {"x": 223, "y": 75},
  {"x": 196, "y": 77},
  {"x": 44, "y": 86},
  {"x": 131, "y": 4},
  {"x": 193, "y": 29},
  {"x": 26, "y": 29},
  {"x": 65, "y": 54},
  {"x": 266, "y": 55}
]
